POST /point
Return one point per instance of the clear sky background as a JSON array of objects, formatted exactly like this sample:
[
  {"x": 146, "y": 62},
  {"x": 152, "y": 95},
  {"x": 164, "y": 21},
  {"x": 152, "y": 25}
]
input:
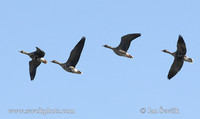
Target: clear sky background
[{"x": 111, "y": 87}]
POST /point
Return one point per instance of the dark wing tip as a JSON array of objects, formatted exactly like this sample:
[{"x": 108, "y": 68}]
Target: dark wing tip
[
  {"x": 180, "y": 38},
  {"x": 135, "y": 34},
  {"x": 83, "y": 38},
  {"x": 37, "y": 48},
  {"x": 40, "y": 52},
  {"x": 181, "y": 46},
  {"x": 169, "y": 77},
  {"x": 32, "y": 75},
  {"x": 172, "y": 72},
  {"x": 131, "y": 36},
  {"x": 138, "y": 34},
  {"x": 32, "y": 78},
  {"x": 81, "y": 42},
  {"x": 76, "y": 52},
  {"x": 33, "y": 64}
]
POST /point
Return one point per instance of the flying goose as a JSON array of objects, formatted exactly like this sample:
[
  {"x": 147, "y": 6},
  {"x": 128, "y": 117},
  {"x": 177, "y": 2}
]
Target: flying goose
[
  {"x": 179, "y": 57},
  {"x": 73, "y": 59},
  {"x": 121, "y": 50},
  {"x": 37, "y": 58}
]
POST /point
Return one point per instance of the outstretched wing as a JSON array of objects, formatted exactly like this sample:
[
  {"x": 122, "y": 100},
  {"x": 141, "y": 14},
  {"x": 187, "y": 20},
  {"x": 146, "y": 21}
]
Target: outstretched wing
[
  {"x": 75, "y": 53},
  {"x": 126, "y": 41},
  {"x": 39, "y": 53},
  {"x": 175, "y": 68},
  {"x": 181, "y": 47},
  {"x": 33, "y": 64}
]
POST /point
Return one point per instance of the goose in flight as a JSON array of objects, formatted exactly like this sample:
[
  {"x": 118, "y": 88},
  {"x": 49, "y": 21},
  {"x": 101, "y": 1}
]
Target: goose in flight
[
  {"x": 121, "y": 50},
  {"x": 179, "y": 57},
  {"x": 73, "y": 59},
  {"x": 37, "y": 58}
]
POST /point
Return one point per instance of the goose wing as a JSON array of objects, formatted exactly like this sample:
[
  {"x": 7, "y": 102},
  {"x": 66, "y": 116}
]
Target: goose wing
[
  {"x": 33, "y": 64},
  {"x": 126, "y": 41},
  {"x": 75, "y": 53},
  {"x": 181, "y": 47},
  {"x": 39, "y": 53},
  {"x": 176, "y": 67}
]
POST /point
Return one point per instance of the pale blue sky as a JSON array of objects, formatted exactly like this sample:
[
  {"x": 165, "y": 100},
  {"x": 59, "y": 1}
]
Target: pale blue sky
[{"x": 111, "y": 87}]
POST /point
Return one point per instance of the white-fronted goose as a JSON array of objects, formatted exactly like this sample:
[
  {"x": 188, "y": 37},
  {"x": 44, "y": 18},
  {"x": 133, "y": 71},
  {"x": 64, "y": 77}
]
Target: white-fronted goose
[
  {"x": 73, "y": 58},
  {"x": 37, "y": 58},
  {"x": 121, "y": 50},
  {"x": 179, "y": 57}
]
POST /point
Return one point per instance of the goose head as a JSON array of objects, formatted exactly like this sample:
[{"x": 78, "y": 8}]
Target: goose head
[
  {"x": 21, "y": 51},
  {"x": 166, "y": 51},
  {"x": 54, "y": 61},
  {"x": 107, "y": 46}
]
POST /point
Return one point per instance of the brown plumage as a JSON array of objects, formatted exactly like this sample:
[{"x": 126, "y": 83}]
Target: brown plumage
[
  {"x": 73, "y": 58},
  {"x": 179, "y": 57},
  {"x": 123, "y": 47},
  {"x": 37, "y": 58}
]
